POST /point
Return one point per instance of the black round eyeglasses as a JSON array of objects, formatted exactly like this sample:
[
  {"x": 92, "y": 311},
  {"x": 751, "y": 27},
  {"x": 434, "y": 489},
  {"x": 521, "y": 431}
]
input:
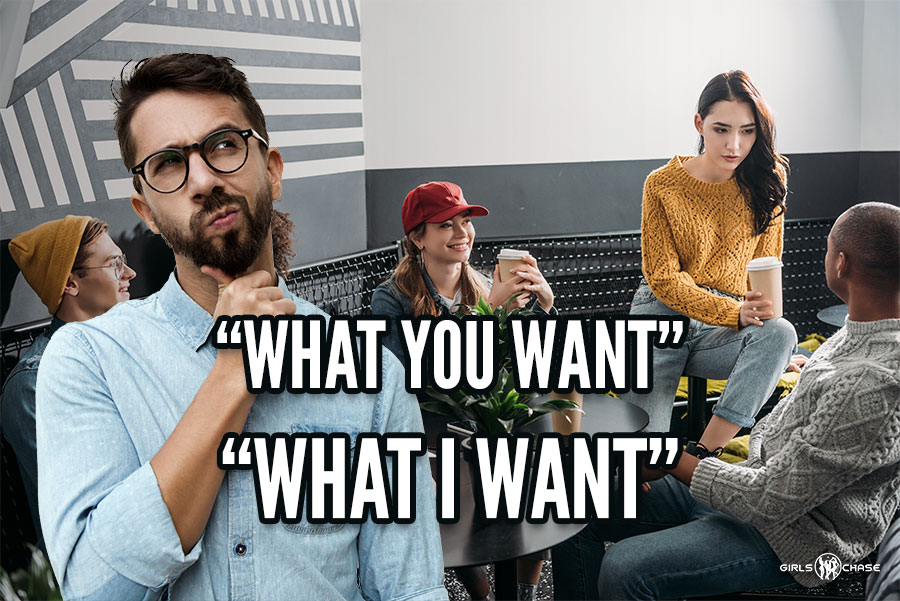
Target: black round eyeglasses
[{"x": 224, "y": 150}]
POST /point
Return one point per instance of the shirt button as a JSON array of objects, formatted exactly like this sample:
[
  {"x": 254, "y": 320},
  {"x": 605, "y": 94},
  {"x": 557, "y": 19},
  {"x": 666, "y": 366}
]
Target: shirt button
[{"x": 240, "y": 548}]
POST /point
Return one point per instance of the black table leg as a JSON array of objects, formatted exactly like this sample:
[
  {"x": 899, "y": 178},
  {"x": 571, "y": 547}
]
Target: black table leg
[{"x": 505, "y": 580}]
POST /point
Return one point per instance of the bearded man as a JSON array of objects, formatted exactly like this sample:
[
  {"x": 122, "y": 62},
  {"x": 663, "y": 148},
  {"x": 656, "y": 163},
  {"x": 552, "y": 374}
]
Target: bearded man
[{"x": 133, "y": 406}]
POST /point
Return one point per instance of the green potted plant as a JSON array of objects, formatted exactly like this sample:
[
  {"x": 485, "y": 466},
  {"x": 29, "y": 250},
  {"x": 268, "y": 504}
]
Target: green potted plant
[{"x": 502, "y": 409}]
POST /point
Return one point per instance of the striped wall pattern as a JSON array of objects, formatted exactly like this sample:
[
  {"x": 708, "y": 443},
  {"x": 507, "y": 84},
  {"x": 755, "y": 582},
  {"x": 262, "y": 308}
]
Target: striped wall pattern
[
  {"x": 57, "y": 146},
  {"x": 311, "y": 11}
]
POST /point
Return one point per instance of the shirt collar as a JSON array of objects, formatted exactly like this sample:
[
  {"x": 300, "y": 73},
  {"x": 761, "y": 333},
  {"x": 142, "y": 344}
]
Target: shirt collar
[
  {"x": 435, "y": 295},
  {"x": 188, "y": 318},
  {"x": 55, "y": 324}
]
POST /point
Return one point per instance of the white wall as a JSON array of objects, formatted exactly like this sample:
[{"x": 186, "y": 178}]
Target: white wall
[
  {"x": 880, "y": 98},
  {"x": 467, "y": 82}
]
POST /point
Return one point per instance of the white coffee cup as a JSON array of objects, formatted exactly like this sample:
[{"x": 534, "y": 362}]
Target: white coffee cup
[
  {"x": 510, "y": 258},
  {"x": 765, "y": 277}
]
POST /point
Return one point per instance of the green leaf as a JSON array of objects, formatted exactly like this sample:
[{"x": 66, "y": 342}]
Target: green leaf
[
  {"x": 527, "y": 419},
  {"x": 557, "y": 406},
  {"x": 482, "y": 308},
  {"x": 441, "y": 396},
  {"x": 438, "y": 407},
  {"x": 472, "y": 399},
  {"x": 507, "y": 424}
]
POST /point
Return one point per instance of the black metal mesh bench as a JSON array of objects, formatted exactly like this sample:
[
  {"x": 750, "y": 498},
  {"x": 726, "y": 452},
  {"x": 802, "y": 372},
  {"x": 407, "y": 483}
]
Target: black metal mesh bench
[
  {"x": 344, "y": 286},
  {"x": 593, "y": 274},
  {"x": 803, "y": 277}
]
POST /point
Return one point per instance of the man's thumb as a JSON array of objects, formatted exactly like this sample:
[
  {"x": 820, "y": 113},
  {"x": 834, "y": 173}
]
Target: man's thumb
[{"x": 221, "y": 278}]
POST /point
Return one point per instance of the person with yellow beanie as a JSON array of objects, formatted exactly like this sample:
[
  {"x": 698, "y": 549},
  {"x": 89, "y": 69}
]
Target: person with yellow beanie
[{"x": 78, "y": 272}]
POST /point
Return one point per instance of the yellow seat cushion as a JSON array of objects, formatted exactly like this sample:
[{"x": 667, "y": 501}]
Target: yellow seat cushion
[{"x": 786, "y": 383}]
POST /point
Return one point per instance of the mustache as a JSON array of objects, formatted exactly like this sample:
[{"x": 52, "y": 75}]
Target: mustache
[
  {"x": 217, "y": 200},
  {"x": 213, "y": 203}
]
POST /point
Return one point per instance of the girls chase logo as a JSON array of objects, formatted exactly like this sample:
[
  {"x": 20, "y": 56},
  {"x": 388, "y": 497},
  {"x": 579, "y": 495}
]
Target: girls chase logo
[{"x": 828, "y": 566}]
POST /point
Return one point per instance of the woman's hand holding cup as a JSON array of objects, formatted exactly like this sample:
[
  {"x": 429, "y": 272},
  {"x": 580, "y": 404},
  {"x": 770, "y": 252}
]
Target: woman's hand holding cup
[
  {"x": 535, "y": 282},
  {"x": 753, "y": 310},
  {"x": 502, "y": 292}
]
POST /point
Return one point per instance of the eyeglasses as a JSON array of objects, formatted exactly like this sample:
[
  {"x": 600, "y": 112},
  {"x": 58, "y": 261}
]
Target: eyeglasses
[
  {"x": 118, "y": 264},
  {"x": 224, "y": 150}
]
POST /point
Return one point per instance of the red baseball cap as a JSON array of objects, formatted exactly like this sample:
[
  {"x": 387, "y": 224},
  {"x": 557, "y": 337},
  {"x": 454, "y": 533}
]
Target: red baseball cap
[{"x": 434, "y": 202}]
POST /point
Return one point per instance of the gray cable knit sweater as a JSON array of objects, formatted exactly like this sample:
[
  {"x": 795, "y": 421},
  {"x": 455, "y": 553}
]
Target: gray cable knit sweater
[{"x": 823, "y": 475}]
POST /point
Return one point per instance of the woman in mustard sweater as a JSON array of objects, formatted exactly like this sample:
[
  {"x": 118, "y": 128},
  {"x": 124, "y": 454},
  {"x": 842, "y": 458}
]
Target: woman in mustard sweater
[{"x": 703, "y": 219}]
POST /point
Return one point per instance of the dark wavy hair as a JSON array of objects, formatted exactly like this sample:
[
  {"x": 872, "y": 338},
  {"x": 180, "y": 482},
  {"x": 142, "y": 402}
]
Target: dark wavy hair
[{"x": 763, "y": 174}]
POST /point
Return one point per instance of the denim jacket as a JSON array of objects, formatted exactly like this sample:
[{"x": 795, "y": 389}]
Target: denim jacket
[
  {"x": 387, "y": 300},
  {"x": 110, "y": 392},
  {"x": 17, "y": 409}
]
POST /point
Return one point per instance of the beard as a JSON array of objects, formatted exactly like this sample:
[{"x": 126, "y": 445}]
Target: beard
[{"x": 236, "y": 249}]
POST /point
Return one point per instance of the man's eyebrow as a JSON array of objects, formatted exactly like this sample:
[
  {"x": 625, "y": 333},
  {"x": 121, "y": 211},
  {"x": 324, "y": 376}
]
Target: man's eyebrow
[{"x": 224, "y": 125}]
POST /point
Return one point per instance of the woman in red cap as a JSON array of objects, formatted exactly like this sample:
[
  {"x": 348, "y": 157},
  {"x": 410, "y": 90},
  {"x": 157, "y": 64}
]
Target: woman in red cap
[{"x": 435, "y": 278}]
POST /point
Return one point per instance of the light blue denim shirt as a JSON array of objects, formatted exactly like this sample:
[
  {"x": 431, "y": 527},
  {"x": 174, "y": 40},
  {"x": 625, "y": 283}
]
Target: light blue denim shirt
[{"x": 110, "y": 392}]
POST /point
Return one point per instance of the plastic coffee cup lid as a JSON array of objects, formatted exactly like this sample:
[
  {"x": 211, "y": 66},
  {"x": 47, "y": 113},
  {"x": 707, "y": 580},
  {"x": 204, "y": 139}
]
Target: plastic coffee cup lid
[
  {"x": 762, "y": 263},
  {"x": 511, "y": 253}
]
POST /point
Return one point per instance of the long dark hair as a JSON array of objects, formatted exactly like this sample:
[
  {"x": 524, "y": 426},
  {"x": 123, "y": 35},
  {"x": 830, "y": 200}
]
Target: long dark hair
[
  {"x": 410, "y": 280},
  {"x": 763, "y": 174}
]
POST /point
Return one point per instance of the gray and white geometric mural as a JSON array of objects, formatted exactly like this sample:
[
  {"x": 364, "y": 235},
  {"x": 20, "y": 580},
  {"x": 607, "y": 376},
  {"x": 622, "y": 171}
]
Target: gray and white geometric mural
[
  {"x": 302, "y": 58},
  {"x": 58, "y": 151}
]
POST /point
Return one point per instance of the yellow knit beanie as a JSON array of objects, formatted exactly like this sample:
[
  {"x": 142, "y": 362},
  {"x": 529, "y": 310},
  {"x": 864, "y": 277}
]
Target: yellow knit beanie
[{"x": 46, "y": 255}]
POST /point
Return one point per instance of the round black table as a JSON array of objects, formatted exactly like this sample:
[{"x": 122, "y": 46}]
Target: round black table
[
  {"x": 470, "y": 543},
  {"x": 467, "y": 543}
]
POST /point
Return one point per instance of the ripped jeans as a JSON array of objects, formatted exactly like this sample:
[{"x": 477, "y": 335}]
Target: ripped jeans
[{"x": 752, "y": 359}]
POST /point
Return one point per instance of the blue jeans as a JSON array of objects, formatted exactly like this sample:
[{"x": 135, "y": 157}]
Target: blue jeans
[
  {"x": 752, "y": 359},
  {"x": 676, "y": 548}
]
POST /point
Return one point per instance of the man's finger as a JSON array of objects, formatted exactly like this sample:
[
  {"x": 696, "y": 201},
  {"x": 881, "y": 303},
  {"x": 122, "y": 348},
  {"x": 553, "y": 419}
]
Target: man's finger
[
  {"x": 284, "y": 306},
  {"x": 221, "y": 278},
  {"x": 270, "y": 293},
  {"x": 259, "y": 279}
]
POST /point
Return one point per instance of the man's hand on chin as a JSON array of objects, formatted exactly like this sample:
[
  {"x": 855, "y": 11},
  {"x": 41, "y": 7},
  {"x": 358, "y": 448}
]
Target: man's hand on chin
[{"x": 252, "y": 294}]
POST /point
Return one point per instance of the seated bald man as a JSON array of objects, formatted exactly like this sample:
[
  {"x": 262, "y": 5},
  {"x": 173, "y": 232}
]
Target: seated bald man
[{"x": 820, "y": 485}]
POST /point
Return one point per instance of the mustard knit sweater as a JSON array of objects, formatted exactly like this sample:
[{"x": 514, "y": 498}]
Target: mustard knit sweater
[{"x": 695, "y": 233}]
